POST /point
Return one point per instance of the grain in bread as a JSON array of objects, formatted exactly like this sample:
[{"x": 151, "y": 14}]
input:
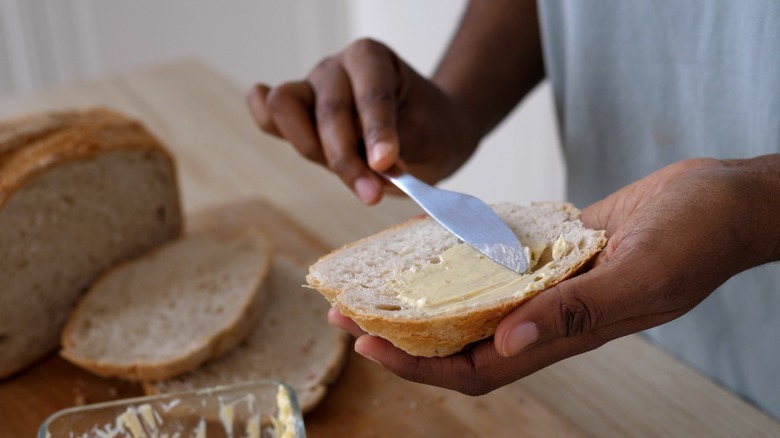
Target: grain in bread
[
  {"x": 172, "y": 309},
  {"x": 292, "y": 343},
  {"x": 79, "y": 192},
  {"x": 360, "y": 278}
]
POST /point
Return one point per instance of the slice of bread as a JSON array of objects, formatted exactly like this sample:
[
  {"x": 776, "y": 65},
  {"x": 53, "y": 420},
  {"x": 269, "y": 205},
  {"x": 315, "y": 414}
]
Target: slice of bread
[
  {"x": 79, "y": 192},
  {"x": 172, "y": 309},
  {"x": 292, "y": 343},
  {"x": 362, "y": 279}
]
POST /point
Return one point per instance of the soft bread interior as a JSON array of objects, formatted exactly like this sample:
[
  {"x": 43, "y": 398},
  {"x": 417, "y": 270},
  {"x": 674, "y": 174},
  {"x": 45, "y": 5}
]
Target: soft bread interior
[
  {"x": 360, "y": 276},
  {"x": 292, "y": 342},
  {"x": 360, "y": 279},
  {"x": 59, "y": 230},
  {"x": 170, "y": 310}
]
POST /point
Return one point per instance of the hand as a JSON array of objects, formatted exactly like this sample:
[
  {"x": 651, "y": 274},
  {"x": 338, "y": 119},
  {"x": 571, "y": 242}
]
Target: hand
[
  {"x": 674, "y": 237},
  {"x": 367, "y": 97}
]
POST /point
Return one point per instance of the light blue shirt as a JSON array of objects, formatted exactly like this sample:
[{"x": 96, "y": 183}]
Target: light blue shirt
[{"x": 639, "y": 84}]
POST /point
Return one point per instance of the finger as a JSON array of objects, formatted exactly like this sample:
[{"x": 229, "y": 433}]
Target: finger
[
  {"x": 256, "y": 100},
  {"x": 481, "y": 369},
  {"x": 336, "y": 319},
  {"x": 292, "y": 107},
  {"x": 334, "y": 112},
  {"x": 474, "y": 372},
  {"x": 374, "y": 73},
  {"x": 598, "y": 298}
]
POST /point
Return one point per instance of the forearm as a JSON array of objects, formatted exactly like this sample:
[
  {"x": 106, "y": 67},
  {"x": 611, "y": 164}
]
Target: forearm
[
  {"x": 493, "y": 61},
  {"x": 761, "y": 188}
]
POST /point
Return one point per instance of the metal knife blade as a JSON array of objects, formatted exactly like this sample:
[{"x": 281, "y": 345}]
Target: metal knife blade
[{"x": 467, "y": 217}]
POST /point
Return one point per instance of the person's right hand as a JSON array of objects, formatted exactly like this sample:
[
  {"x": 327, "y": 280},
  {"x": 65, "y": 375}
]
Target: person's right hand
[{"x": 367, "y": 97}]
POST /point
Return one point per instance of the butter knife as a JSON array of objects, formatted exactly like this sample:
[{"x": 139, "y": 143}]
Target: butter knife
[{"x": 467, "y": 217}]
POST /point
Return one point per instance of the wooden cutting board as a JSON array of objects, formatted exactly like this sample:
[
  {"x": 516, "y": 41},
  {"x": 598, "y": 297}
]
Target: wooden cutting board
[
  {"x": 627, "y": 387},
  {"x": 366, "y": 401}
]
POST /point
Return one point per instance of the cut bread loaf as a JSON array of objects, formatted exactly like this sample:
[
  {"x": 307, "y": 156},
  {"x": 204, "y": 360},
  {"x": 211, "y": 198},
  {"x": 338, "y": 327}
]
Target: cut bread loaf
[
  {"x": 365, "y": 280},
  {"x": 79, "y": 192},
  {"x": 292, "y": 343},
  {"x": 172, "y": 309}
]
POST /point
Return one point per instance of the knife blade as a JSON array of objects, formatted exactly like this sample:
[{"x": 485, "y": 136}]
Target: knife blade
[{"x": 467, "y": 217}]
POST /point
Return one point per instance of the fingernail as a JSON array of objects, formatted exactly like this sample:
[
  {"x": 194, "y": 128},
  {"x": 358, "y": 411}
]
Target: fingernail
[
  {"x": 359, "y": 350},
  {"x": 523, "y": 335},
  {"x": 366, "y": 189},
  {"x": 378, "y": 152}
]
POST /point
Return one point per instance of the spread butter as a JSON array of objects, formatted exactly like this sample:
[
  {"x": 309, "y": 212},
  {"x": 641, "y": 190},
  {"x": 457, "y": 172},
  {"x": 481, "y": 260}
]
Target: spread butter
[{"x": 463, "y": 277}]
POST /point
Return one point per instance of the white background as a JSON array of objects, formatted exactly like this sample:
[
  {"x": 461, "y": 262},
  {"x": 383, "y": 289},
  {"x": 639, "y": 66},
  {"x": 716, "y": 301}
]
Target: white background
[{"x": 46, "y": 43}]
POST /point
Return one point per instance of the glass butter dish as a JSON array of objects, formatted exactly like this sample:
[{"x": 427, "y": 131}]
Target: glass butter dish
[{"x": 259, "y": 409}]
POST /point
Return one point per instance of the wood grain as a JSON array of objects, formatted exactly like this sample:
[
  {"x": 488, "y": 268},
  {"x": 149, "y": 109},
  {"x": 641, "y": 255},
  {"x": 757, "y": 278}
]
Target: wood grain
[
  {"x": 366, "y": 401},
  {"x": 625, "y": 388}
]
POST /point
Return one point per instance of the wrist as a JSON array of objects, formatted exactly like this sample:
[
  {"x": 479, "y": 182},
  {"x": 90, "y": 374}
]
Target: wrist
[
  {"x": 759, "y": 190},
  {"x": 493, "y": 61}
]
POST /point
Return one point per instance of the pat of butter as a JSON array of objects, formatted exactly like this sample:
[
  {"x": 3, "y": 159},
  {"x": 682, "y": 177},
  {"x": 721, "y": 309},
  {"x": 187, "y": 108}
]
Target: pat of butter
[
  {"x": 150, "y": 416},
  {"x": 145, "y": 421},
  {"x": 133, "y": 423},
  {"x": 253, "y": 426},
  {"x": 463, "y": 277},
  {"x": 226, "y": 414},
  {"x": 200, "y": 432},
  {"x": 561, "y": 248},
  {"x": 284, "y": 423}
]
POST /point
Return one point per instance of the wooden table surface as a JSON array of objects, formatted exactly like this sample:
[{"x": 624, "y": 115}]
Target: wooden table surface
[{"x": 625, "y": 388}]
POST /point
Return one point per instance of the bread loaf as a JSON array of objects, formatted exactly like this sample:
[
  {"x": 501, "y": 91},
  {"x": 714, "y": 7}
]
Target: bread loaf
[
  {"x": 369, "y": 281},
  {"x": 292, "y": 343},
  {"x": 172, "y": 309},
  {"x": 79, "y": 192}
]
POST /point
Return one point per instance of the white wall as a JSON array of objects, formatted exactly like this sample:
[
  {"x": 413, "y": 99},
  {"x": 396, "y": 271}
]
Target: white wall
[
  {"x": 44, "y": 43},
  {"x": 48, "y": 42}
]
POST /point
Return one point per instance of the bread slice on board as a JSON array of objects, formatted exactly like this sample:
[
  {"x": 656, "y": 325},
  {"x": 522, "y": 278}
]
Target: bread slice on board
[
  {"x": 292, "y": 343},
  {"x": 172, "y": 309},
  {"x": 362, "y": 279},
  {"x": 79, "y": 192}
]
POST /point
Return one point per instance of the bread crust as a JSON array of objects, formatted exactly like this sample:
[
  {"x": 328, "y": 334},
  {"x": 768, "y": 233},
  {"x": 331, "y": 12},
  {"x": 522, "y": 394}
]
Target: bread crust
[
  {"x": 321, "y": 370},
  {"x": 33, "y": 145},
  {"x": 69, "y": 136},
  {"x": 442, "y": 334}
]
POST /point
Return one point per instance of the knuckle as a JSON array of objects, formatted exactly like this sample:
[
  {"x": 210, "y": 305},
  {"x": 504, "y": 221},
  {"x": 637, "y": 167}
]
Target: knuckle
[
  {"x": 310, "y": 152},
  {"x": 367, "y": 47},
  {"x": 466, "y": 373},
  {"x": 414, "y": 371},
  {"x": 329, "y": 108},
  {"x": 261, "y": 113},
  {"x": 277, "y": 100},
  {"x": 375, "y": 130},
  {"x": 376, "y": 96},
  {"x": 266, "y": 124},
  {"x": 476, "y": 379},
  {"x": 340, "y": 165},
  {"x": 324, "y": 65},
  {"x": 473, "y": 388},
  {"x": 576, "y": 316}
]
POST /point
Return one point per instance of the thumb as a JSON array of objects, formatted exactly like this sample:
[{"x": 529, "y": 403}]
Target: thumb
[{"x": 598, "y": 298}]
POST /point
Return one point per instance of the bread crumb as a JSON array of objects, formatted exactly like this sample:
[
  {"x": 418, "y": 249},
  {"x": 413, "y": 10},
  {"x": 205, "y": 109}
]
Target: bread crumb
[{"x": 79, "y": 399}]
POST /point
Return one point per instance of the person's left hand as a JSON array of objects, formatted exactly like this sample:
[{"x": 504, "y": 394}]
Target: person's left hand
[{"x": 674, "y": 237}]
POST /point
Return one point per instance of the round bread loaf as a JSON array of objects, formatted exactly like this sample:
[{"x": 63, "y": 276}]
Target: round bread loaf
[
  {"x": 362, "y": 279},
  {"x": 79, "y": 192}
]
